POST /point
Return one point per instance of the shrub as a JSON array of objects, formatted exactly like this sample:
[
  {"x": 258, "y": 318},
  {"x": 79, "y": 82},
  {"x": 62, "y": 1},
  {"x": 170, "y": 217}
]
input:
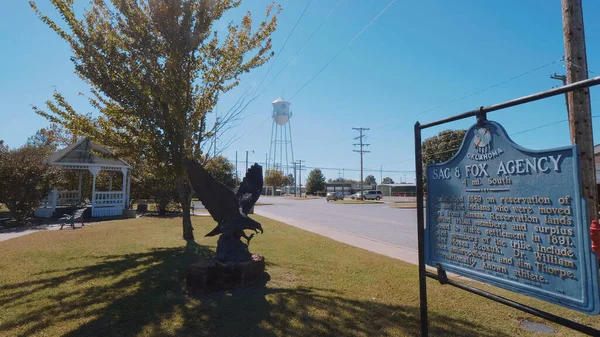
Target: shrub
[{"x": 25, "y": 179}]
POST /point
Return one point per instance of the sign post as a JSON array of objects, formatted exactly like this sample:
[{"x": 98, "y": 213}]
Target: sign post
[
  {"x": 510, "y": 217},
  {"x": 513, "y": 218}
]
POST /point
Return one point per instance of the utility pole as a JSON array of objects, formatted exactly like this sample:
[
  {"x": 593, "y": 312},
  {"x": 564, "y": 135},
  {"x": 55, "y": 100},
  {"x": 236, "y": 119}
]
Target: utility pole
[
  {"x": 580, "y": 110},
  {"x": 246, "y": 160},
  {"x": 380, "y": 175},
  {"x": 300, "y": 174},
  {"x": 361, "y": 151},
  {"x": 295, "y": 185},
  {"x": 562, "y": 78},
  {"x": 236, "y": 167}
]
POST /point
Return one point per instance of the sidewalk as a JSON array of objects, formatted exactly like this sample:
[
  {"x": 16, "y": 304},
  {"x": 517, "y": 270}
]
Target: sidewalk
[
  {"x": 11, "y": 233},
  {"x": 376, "y": 246}
]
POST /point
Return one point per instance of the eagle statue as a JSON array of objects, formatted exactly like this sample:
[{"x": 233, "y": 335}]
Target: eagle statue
[{"x": 229, "y": 209}]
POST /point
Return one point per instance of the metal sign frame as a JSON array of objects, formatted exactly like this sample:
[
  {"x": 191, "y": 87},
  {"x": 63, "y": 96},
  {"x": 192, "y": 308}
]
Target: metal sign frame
[{"x": 480, "y": 113}]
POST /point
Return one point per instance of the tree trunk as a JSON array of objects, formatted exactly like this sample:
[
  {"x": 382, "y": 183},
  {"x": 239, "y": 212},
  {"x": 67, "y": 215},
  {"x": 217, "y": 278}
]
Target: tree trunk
[
  {"x": 163, "y": 203},
  {"x": 185, "y": 196}
]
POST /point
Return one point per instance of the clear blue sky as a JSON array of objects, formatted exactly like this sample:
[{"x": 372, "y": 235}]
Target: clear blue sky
[{"x": 418, "y": 56}]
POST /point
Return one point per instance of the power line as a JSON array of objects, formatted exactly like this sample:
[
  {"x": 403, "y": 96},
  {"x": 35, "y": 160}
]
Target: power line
[
  {"x": 318, "y": 72},
  {"x": 249, "y": 132},
  {"x": 473, "y": 93},
  {"x": 344, "y": 169},
  {"x": 289, "y": 60},
  {"x": 372, "y": 21},
  {"x": 463, "y": 97},
  {"x": 539, "y": 127},
  {"x": 512, "y": 134},
  {"x": 332, "y": 59},
  {"x": 344, "y": 48},
  {"x": 571, "y": 64},
  {"x": 374, "y": 169},
  {"x": 302, "y": 46},
  {"x": 283, "y": 46}
]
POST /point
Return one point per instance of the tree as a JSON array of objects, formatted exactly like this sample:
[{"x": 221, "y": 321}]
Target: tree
[
  {"x": 25, "y": 179},
  {"x": 154, "y": 182},
  {"x": 315, "y": 181},
  {"x": 222, "y": 170},
  {"x": 441, "y": 148},
  {"x": 54, "y": 137},
  {"x": 291, "y": 179},
  {"x": 387, "y": 180},
  {"x": 370, "y": 180},
  {"x": 342, "y": 180},
  {"x": 276, "y": 178},
  {"x": 156, "y": 68}
]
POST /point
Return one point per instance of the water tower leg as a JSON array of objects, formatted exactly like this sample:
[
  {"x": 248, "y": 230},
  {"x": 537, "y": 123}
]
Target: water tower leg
[
  {"x": 291, "y": 144},
  {"x": 270, "y": 147},
  {"x": 287, "y": 163},
  {"x": 281, "y": 148},
  {"x": 275, "y": 148}
]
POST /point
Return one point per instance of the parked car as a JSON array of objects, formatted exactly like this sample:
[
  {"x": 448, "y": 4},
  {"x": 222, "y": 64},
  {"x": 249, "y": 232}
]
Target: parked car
[
  {"x": 356, "y": 196},
  {"x": 372, "y": 195},
  {"x": 335, "y": 196}
]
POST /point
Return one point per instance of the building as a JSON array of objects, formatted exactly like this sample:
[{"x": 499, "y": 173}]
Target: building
[
  {"x": 347, "y": 188},
  {"x": 398, "y": 190}
]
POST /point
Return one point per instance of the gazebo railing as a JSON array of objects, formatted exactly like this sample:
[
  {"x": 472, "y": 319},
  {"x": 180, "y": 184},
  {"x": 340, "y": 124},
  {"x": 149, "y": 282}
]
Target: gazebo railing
[
  {"x": 48, "y": 202},
  {"x": 66, "y": 198},
  {"x": 108, "y": 199}
]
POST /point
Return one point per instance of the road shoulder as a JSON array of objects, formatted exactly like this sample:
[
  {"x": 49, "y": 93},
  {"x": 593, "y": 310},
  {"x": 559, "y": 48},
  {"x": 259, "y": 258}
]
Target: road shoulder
[{"x": 376, "y": 246}]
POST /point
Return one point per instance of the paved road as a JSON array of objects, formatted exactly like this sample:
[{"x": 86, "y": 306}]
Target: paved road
[{"x": 374, "y": 221}]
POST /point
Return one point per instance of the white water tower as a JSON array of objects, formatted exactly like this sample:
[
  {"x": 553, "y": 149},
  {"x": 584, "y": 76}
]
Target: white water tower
[{"x": 281, "y": 137}]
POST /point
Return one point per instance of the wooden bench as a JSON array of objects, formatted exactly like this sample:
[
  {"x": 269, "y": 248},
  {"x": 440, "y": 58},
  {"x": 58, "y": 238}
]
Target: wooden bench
[{"x": 72, "y": 218}]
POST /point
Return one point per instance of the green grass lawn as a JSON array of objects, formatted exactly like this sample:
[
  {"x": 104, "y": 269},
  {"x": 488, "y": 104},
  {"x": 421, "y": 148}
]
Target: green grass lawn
[
  {"x": 355, "y": 201},
  {"x": 125, "y": 278},
  {"x": 308, "y": 197},
  {"x": 403, "y": 205}
]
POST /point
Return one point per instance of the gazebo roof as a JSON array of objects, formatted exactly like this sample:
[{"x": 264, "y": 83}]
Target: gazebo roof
[{"x": 82, "y": 153}]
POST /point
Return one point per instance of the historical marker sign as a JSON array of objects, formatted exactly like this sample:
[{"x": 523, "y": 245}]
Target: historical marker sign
[{"x": 514, "y": 218}]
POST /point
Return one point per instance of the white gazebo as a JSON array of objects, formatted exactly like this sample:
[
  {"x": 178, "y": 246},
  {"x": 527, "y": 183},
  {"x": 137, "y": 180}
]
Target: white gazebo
[{"x": 80, "y": 157}]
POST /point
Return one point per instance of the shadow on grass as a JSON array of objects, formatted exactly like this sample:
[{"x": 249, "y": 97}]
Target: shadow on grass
[{"x": 152, "y": 301}]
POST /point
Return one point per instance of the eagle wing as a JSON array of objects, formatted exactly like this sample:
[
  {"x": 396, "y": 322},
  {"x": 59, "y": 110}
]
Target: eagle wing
[
  {"x": 251, "y": 187},
  {"x": 219, "y": 200}
]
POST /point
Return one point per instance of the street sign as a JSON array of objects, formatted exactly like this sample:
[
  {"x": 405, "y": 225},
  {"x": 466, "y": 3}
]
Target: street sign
[{"x": 513, "y": 218}]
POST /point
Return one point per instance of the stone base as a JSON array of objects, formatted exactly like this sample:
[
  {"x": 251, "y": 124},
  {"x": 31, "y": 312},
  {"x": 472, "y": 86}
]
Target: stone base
[{"x": 214, "y": 275}]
